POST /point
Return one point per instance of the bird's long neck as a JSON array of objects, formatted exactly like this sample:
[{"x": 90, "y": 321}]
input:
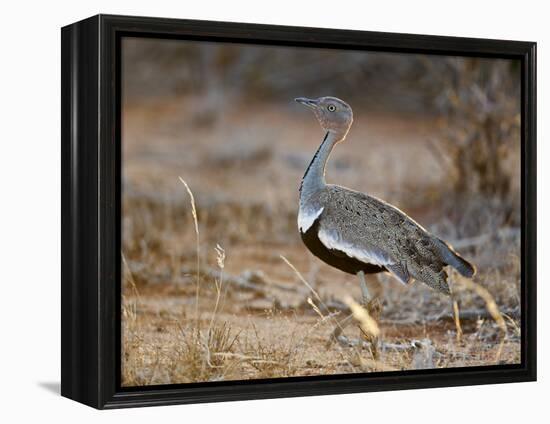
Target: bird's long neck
[{"x": 314, "y": 178}]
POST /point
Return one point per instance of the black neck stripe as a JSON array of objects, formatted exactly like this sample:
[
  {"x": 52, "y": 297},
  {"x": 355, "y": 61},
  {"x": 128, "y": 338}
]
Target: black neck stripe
[{"x": 313, "y": 160}]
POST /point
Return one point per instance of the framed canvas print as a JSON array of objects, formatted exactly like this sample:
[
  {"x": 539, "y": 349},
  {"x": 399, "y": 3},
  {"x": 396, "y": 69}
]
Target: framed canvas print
[{"x": 254, "y": 211}]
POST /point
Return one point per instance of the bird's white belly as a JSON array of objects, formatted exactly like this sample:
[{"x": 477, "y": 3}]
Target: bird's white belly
[
  {"x": 332, "y": 240},
  {"x": 307, "y": 216}
]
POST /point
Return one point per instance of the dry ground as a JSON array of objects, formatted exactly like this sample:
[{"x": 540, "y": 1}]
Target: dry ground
[{"x": 255, "y": 317}]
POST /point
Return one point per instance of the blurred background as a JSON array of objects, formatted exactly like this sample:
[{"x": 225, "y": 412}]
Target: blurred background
[{"x": 437, "y": 136}]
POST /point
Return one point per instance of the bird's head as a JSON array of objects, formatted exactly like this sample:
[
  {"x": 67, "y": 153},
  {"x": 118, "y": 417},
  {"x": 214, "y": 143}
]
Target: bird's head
[{"x": 333, "y": 114}]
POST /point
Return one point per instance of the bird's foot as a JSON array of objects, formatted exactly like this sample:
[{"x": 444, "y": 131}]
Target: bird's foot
[
  {"x": 346, "y": 342},
  {"x": 373, "y": 307},
  {"x": 336, "y": 335}
]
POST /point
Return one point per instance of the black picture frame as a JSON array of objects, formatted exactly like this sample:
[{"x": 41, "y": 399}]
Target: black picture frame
[{"x": 91, "y": 211}]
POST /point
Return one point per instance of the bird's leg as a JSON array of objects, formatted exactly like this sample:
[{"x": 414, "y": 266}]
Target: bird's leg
[
  {"x": 371, "y": 304},
  {"x": 341, "y": 325},
  {"x": 373, "y": 307},
  {"x": 456, "y": 315},
  {"x": 338, "y": 330},
  {"x": 364, "y": 289}
]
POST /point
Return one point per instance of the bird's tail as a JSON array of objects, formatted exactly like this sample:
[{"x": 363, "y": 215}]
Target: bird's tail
[{"x": 450, "y": 257}]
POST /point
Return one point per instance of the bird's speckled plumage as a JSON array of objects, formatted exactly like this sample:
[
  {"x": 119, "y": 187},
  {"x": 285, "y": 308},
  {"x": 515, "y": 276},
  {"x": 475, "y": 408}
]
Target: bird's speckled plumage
[
  {"x": 357, "y": 232},
  {"x": 383, "y": 235}
]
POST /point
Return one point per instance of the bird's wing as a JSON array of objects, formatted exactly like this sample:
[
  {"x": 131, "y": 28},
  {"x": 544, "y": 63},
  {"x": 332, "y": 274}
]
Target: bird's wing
[
  {"x": 370, "y": 224},
  {"x": 370, "y": 229},
  {"x": 333, "y": 235},
  {"x": 375, "y": 232},
  {"x": 356, "y": 225}
]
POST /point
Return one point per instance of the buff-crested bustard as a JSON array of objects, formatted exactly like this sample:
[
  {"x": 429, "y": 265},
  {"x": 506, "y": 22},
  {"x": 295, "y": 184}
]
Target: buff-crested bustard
[{"x": 361, "y": 234}]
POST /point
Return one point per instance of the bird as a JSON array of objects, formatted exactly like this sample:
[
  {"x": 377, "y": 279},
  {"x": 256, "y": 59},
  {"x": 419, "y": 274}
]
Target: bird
[{"x": 358, "y": 233}]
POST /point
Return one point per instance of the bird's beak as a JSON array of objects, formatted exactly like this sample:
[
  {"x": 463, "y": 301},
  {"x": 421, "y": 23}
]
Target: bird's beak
[{"x": 311, "y": 103}]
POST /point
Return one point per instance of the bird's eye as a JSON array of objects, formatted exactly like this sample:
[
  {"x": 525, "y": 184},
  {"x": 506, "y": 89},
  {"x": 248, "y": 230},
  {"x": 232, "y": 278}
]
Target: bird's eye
[{"x": 331, "y": 108}]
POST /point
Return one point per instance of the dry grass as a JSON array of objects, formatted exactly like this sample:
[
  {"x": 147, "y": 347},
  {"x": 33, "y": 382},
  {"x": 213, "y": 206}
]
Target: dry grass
[{"x": 194, "y": 311}]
